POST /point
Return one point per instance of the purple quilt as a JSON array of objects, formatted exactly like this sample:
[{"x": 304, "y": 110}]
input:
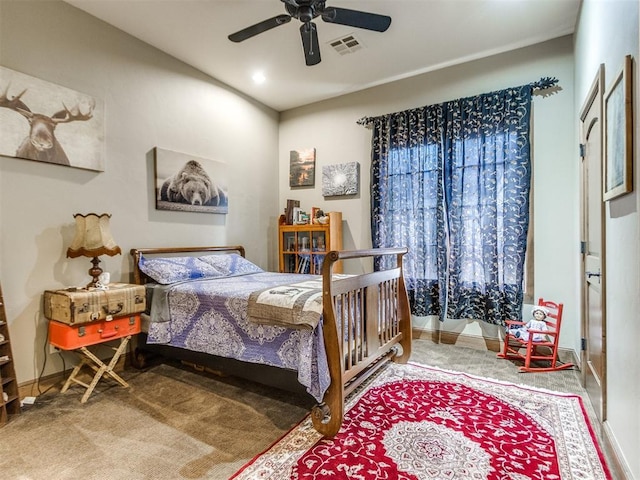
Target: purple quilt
[{"x": 210, "y": 316}]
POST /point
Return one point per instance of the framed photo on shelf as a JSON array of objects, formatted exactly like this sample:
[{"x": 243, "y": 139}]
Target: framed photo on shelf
[{"x": 618, "y": 134}]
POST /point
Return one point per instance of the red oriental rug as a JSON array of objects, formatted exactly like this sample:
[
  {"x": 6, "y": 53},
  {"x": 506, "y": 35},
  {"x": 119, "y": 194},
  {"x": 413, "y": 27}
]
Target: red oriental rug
[{"x": 418, "y": 422}]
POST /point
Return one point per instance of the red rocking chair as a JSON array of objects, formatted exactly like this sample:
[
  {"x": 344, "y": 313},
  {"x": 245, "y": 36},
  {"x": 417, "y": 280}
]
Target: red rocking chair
[{"x": 545, "y": 350}]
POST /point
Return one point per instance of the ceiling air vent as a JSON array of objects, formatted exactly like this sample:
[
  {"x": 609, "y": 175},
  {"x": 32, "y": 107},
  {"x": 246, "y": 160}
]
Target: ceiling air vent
[{"x": 348, "y": 44}]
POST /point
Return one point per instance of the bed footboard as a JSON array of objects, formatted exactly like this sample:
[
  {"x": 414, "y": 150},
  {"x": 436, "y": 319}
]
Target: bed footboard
[{"x": 366, "y": 322}]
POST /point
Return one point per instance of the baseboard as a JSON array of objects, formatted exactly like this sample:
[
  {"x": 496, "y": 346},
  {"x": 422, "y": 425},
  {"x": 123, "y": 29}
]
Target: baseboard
[
  {"x": 36, "y": 387},
  {"x": 493, "y": 344},
  {"x": 620, "y": 469},
  {"x": 33, "y": 388}
]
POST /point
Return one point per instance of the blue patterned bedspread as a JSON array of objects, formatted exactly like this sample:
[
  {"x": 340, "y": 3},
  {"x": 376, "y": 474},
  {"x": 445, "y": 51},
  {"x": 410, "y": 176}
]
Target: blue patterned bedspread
[{"x": 211, "y": 316}]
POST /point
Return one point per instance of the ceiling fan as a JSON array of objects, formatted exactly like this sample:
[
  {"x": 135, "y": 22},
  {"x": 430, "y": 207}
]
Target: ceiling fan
[{"x": 306, "y": 11}]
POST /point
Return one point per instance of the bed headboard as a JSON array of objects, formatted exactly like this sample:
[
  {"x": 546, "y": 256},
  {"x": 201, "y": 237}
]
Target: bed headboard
[{"x": 140, "y": 278}]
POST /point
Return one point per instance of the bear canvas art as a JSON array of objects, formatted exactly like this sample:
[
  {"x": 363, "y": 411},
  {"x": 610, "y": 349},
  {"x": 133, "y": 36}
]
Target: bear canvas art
[
  {"x": 190, "y": 184},
  {"x": 193, "y": 186}
]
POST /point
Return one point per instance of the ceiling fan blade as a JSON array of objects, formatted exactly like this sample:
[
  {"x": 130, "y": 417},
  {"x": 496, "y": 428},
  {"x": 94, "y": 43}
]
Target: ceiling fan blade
[
  {"x": 356, "y": 18},
  {"x": 259, "y": 28},
  {"x": 309, "y": 34}
]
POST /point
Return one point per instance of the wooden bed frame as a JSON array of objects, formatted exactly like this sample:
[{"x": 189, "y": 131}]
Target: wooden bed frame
[{"x": 375, "y": 322}]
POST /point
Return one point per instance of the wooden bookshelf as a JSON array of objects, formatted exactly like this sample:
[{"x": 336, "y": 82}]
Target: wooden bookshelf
[
  {"x": 9, "y": 397},
  {"x": 302, "y": 248}
]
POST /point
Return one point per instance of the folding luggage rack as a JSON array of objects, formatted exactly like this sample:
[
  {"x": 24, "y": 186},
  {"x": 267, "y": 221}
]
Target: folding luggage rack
[
  {"x": 78, "y": 338},
  {"x": 101, "y": 369}
]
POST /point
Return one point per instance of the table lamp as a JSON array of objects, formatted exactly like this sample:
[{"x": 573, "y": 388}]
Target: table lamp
[{"x": 92, "y": 239}]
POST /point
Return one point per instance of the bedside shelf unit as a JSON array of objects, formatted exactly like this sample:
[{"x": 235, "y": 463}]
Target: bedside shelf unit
[
  {"x": 8, "y": 382},
  {"x": 302, "y": 248}
]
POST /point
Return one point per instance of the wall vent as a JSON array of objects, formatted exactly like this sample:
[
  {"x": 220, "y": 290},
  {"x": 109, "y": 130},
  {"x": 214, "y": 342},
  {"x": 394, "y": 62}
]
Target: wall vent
[{"x": 346, "y": 44}]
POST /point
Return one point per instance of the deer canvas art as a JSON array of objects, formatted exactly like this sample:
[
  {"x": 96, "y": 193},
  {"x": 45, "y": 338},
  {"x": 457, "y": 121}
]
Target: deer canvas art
[{"x": 48, "y": 123}]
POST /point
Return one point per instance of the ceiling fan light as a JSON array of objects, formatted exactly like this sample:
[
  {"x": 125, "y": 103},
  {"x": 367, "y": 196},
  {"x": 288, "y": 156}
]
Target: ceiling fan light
[
  {"x": 306, "y": 11},
  {"x": 305, "y": 14},
  {"x": 329, "y": 14}
]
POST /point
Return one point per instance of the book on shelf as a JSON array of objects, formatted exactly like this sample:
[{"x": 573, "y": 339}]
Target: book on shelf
[
  {"x": 291, "y": 204},
  {"x": 303, "y": 266}
]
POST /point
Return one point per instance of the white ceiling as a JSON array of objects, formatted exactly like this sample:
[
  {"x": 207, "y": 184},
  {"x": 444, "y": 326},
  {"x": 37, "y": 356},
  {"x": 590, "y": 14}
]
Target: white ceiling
[{"x": 424, "y": 35}]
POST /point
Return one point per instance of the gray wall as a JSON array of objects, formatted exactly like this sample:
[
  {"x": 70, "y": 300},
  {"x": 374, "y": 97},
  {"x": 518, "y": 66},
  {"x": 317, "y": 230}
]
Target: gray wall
[
  {"x": 607, "y": 31},
  {"x": 331, "y": 127},
  {"x": 151, "y": 100}
]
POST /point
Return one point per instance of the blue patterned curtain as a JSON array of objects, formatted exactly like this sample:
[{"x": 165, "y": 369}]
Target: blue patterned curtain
[{"x": 451, "y": 182}]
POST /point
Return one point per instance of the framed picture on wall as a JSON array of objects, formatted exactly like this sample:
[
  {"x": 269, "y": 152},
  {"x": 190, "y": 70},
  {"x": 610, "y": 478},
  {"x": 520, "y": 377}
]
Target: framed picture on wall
[
  {"x": 302, "y": 167},
  {"x": 340, "y": 179},
  {"x": 618, "y": 139},
  {"x": 185, "y": 183},
  {"x": 49, "y": 123}
]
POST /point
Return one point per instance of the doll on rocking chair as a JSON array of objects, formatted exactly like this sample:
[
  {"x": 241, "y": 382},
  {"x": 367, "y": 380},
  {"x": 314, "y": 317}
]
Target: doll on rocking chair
[{"x": 536, "y": 323}]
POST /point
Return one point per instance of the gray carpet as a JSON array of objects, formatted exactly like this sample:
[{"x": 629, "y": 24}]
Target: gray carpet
[{"x": 175, "y": 423}]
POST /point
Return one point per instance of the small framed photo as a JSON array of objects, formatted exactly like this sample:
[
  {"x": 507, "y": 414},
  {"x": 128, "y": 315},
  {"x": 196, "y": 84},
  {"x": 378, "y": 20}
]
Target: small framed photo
[
  {"x": 618, "y": 134},
  {"x": 340, "y": 179},
  {"x": 302, "y": 167}
]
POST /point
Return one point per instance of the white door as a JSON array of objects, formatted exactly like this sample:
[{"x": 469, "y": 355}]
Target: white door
[{"x": 592, "y": 224}]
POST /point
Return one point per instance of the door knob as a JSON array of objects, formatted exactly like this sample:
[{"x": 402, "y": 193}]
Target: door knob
[{"x": 592, "y": 274}]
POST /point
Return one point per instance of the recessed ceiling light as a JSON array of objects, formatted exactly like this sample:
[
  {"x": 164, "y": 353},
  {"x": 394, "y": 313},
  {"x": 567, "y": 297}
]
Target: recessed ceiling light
[{"x": 259, "y": 78}]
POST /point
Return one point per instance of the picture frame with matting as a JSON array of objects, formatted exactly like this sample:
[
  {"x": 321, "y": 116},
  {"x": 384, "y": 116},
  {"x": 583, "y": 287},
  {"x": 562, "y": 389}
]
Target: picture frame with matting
[{"x": 617, "y": 176}]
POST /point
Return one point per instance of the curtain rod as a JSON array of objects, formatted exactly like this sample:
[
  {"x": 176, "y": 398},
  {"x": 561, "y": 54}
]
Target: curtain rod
[{"x": 542, "y": 84}]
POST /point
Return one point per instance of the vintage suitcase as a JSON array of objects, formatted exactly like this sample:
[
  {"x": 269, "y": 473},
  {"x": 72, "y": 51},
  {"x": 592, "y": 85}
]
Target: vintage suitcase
[
  {"x": 79, "y": 305},
  {"x": 70, "y": 337}
]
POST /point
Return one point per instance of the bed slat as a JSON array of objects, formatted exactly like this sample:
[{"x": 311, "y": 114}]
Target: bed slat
[{"x": 366, "y": 317}]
